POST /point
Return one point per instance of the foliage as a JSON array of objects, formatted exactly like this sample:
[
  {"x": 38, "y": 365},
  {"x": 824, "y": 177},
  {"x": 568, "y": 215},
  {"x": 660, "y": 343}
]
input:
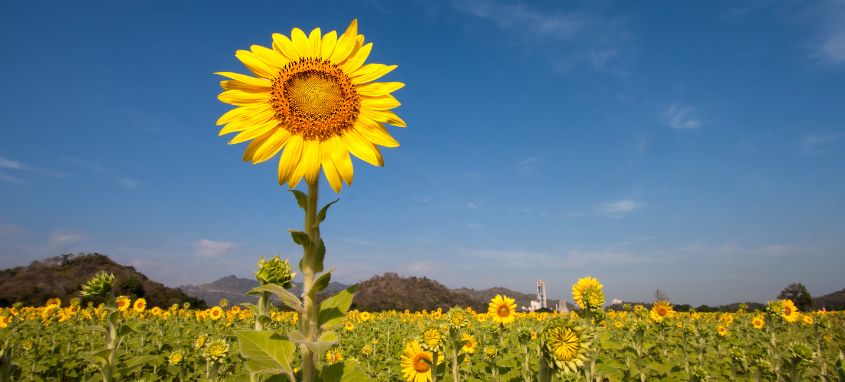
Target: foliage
[{"x": 798, "y": 293}]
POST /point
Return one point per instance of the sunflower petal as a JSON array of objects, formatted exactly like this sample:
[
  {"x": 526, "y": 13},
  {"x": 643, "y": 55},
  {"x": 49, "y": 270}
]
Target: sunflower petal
[
  {"x": 329, "y": 168},
  {"x": 385, "y": 102},
  {"x": 271, "y": 146},
  {"x": 375, "y": 89},
  {"x": 385, "y": 116},
  {"x": 238, "y": 85},
  {"x": 254, "y": 132},
  {"x": 242, "y": 112},
  {"x": 362, "y": 148},
  {"x": 370, "y": 72},
  {"x": 247, "y": 121},
  {"x": 300, "y": 42},
  {"x": 345, "y": 44},
  {"x": 260, "y": 82},
  {"x": 269, "y": 56},
  {"x": 253, "y": 146},
  {"x": 375, "y": 133},
  {"x": 355, "y": 61},
  {"x": 283, "y": 45},
  {"x": 255, "y": 65},
  {"x": 341, "y": 159},
  {"x": 328, "y": 44},
  {"x": 242, "y": 98},
  {"x": 289, "y": 159},
  {"x": 314, "y": 40}
]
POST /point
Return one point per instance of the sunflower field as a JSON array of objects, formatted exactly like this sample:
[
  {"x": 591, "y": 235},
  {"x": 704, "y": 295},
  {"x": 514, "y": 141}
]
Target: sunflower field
[{"x": 62, "y": 342}]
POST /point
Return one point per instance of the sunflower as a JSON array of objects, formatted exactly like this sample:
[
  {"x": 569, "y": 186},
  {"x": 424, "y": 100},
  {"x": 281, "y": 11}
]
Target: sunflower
[
  {"x": 416, "y": 363},
  {"x": 333, "y": 356},
  {"x": 432, "y": 339},
  {"x": 175, "y": 358},
  {"x": 565, "y": 345},
  {"x": 788, "y": 311},
  {"x": 313, "y": 99},
  {"x": 758, "y": 321},
  {"x": 588, "y": 293},
  {"x": 807, "y": 319},
  {"x": 139, "y": 305},
  {"x": 501, "y": 309},
  {"x": 722, "y": 330},
  {"x": 215, "y": 313},
  {"x": 123, "y": 303},
  {"x": 660, "y": 310},
  {"x": 468, "y": 343}
]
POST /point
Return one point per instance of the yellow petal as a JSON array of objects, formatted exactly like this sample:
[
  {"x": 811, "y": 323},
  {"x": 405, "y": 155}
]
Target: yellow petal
[
  {"x": 241, "y": 112},
  {"x": 331, "y": 172},
  {"x": 385, "y": 116},
  {"x": 248, "y": 120},
  {"x": 271, "y": 146},
  {"x": 242, "y": 98},
  {"x": 260, "y": 82},
  {"x": 328, "y": 44},
  {"x": 238, "y": 85},
  {"x": 254, "y": 132},
  {"x": 385, "y": 102},
  {"x": 375, "y": 132},
  {"x": 289, "y": 159},
  {"x": 362, "y": 148},
  {"x": 269, "y": 56},
  {"x": 255, "y": 65},
  {"x": 249, "y": 153},
  {"x": 357, "y": 59},
  {"x": 345, "y": 44},
  {"x": 283, "y": 45},
  {"x": 300, "y": 42},
  {"x": 375, "y": 89},
  {"x": 370, "y": 72},
  {"x": 314, "y": 42},
  {"x": 341, "y": 159},
  {"x": 311, "y": 160}
]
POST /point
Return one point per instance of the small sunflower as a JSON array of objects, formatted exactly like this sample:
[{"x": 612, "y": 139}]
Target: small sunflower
[
  {"x": 807, "y": 319},
  {"x": 140, "y": 305},
  {"x": 416, "y": 363},
  {"x": 123, "y": 303},
  {"x": 661, "y": 310},
  {"x": 722, "y": 330},
  {"x": 468, "y": 343},
  {"x": 565, "y": 345},
  {"x": 215, "y": 313},
  {"x": 333, "y": 356},
  {"x": 432, "y": 340},
  {"x": 366, "y": 350},
  {"x": 313, "y": 99},
  {"x": 588, "y": 293},
  {"x": 175, "y": 358},
  {"x": 216, "y": 350},
  {"x": 788, "y": 311},
  {"x": 758, "y": 321},
  {"x": 501, "y": 309}
]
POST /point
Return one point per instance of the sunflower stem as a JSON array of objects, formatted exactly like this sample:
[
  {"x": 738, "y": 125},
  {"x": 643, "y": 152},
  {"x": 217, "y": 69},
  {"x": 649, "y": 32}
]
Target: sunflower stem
[{"x": 308, "y": 325}]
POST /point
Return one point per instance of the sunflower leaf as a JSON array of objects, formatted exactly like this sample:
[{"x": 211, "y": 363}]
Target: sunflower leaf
[
  {"x": 322, "y": 282},
  {"x": 286, "y": 297},
  {"x": 345, "y": 371},
  {"x": 333, "y": 309},
  {"x": 319, "y": 255},
  {"x": 301, "y": 198},
  {"x": 322, "y": 214},
  {"x": 266, "y": 352},
  {"x": 300, "y": 238}
]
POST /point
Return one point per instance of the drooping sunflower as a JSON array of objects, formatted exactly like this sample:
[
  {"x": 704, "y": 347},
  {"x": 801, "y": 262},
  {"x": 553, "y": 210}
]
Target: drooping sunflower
[
  {"x": 501, "y": 309},
  {"x": 565, "y": 345},
  {"x": 588, "y": 293},
  {"x": 416, "y": 363},
  {"x": 661, "y": 310},
  {"x": 312, "y": 98}
]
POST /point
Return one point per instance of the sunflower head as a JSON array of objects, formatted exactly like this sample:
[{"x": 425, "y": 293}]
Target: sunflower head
[
  {"x": 98, "y": 285},
  {"x": 788, "y": 311},
  {"x": 432, "y": 340},
  {"x": 215, "y": 313},
  {"x": 416, "y": 363},
  {"x": 564, "y": 345},
  {"x": 501, "y": 309},
  {"x": 759, "y": 321},
  {"x": 661, "y": 310},
  {"x": 140, "y": 305},
  {"x": 312, "y": 98},
  {"x": 216, "y": 350},
  {"x": 588, "y": 293}
]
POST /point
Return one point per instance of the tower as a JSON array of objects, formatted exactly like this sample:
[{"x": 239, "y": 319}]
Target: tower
[{"x": 541, "y": 294}]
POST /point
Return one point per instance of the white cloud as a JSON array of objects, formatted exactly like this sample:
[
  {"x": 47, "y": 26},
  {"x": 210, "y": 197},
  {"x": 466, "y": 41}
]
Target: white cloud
[
  {"x": 63, "y": 238},
  {"x": 210, "y": 248},
  {"x": 814, "y": 144},
  {"x": 10, "y": 164},
  {"x": 619, "y": 208},
  {"x": 129, "y": 183},
  {"x": 528, "y": 161},
  {"x": 678, "y": 117}
]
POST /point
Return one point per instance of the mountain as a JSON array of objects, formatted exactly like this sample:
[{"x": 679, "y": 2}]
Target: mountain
[
  {"x": 831, "y": 301},
  {"x": 234, "y": 289},
  {"x": 62, "y": 276},
  {"x": 389, "y": 291}
]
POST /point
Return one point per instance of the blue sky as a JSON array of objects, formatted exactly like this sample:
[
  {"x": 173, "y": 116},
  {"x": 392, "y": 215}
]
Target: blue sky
[{"x": 694, "y": 147}]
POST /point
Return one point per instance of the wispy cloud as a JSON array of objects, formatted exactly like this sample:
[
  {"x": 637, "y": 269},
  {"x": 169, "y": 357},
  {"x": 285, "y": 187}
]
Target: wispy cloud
[
  {"x": 619, "y": 208},
  {"x": 528, "y": 161},
  {"x": 211, "y": 248},
  {"x": 831, "y": 45},
  {"x": 577, "y": 38},
  {"x": 816, "y": 144},
  {"x": 680, "y": 117},
  {"x": 9, "y": 164},
  {"x": 63, "y": 238}
]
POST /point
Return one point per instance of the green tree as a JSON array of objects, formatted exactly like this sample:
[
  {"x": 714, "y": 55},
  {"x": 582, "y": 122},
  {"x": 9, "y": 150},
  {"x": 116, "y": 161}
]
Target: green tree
[{"x": 798, "y": 293}]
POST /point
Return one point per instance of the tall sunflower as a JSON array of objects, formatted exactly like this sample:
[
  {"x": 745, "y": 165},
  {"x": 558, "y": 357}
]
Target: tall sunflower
[
  {"x": 588, "y": 293},
  {"x": 501, "y": 309},
  {"x": 312, "y": 98}
]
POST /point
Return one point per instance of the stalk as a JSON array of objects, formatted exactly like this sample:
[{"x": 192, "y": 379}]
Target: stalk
[{"x": 308, "y": 324}]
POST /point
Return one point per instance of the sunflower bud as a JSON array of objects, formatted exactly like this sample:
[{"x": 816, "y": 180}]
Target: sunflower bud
[
  {"x": 274, "y": 271},
  {"x": 565, "y": 345},
  {"x": 98, "y": 285}
]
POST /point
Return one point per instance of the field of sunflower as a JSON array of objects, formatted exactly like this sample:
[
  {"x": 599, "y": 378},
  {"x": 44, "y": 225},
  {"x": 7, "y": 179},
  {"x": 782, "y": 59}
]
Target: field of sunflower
[{"x": 63, "y": 341}]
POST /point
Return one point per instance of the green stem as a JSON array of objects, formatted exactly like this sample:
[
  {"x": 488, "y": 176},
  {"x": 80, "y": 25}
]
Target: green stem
[{"x": 308, "y": 324}]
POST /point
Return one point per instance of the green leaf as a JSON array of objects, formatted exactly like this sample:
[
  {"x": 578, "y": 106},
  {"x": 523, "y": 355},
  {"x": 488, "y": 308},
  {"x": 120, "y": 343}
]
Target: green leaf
[
  {"x": 322, "y": 214},
  {"x": 334, "y": 308},
  {"x": 319, "y": 255},
  {"x": 100, "y": 357},
  {"x": 322, "y": 282},
  {"x": 286, "y": 297},
  {"x": 301, "y": 198},
  {"x": 124, "y": 330},
  {"x": 300, "y": 238},
  {"x": 319, "y": 347},
  {"x": 266, "y": 352},
  {"x": 133, "y": 364},
  {"x": 346, "y": 371}
]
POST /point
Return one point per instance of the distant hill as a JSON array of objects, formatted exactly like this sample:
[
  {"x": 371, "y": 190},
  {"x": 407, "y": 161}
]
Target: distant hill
[
  {"x": 62, "y": 276},
  {"x": 389, "y": 291},
  {"x": 831, "y": 301},
  {"x": 521, "y": 299},
  {"x": 234, "y": 289}
]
